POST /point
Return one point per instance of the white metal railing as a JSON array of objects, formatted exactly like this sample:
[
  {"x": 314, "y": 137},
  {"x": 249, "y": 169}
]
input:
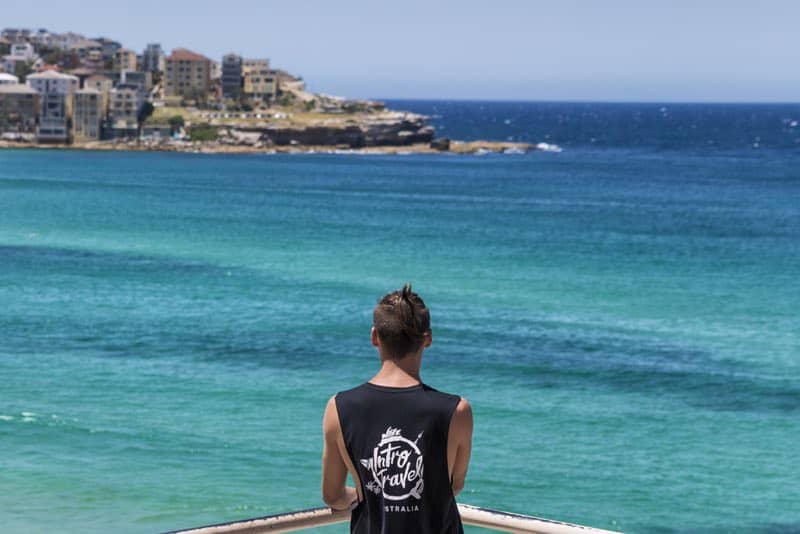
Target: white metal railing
[{"x": 317, "y": 517}]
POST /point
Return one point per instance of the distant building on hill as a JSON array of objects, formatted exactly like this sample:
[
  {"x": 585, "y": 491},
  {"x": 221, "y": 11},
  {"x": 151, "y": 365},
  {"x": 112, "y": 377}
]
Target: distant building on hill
[
  {"x": 19, "y": 108},
  {"x": 66, "y": 40},
  {"x": 187, "y": 75},
  {"x": 125, "y": 60},
  {"x": 20, "y": 53},
  {"x": 42, "y": 38},
  {"x": 215, "y": 71},
  {"x": 153, "y": 59},
  {"x": 16, "y": 35},
  {"x": 55, "y": 90},
  {"x": 23, "y": 50},
  {"x": 103, "y": 85},
  {"x": 85, "y": 47},
  {"x": 259, "y": 82},
  {"x": 231, "y": 76},
  {"x": 108, "y": 50},
  {"x": 142, "y": 80},
  {"x": 89, "y": 54},
  {"x": 87, "y": 114},
  {"x": 124, "y": 108}
]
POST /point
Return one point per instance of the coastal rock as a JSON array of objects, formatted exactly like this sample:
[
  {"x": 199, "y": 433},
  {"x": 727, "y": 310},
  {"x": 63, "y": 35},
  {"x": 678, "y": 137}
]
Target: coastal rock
[
  {"x": 442, "y": 144},
  {"x": 405, "y": 129},
  {"x": 351, "y": 136},
  {"x": 391, "y": 129}
]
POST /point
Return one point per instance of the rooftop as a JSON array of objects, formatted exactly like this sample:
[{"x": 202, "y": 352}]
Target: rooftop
[
  {"x": 17, "y": 88},
  {"x": 51, "y": 75},
  {"x": 81, "y": 71},
  {"x": 86, "y": 43},
  {"x": 182, "y": 54}
]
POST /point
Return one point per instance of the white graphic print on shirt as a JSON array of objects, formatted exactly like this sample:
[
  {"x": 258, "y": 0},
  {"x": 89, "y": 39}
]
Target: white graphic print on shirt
[{"x": 396, "y": 466}]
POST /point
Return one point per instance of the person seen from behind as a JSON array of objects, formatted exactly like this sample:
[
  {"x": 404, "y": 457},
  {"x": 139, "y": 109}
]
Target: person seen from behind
[{"x": 405, "y": 444}]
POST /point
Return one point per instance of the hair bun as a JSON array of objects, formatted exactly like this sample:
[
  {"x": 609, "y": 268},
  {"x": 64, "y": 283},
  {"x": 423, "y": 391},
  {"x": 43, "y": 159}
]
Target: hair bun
[{"x": 406, "y": 293}]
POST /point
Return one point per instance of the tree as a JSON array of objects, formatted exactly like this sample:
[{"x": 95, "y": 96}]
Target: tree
[
  {"x": 53, "y": 57},
  {"x": 22, "y": 69},
  {"x": 203, "y": 132},
  {"x": 175, "y": 123},
  {"x": 145, "y": 111},
  {"x": 287, "y": 99}
]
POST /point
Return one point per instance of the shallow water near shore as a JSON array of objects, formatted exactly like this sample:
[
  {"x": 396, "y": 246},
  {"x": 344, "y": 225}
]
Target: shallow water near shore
[{"x": 623, "y": 319}]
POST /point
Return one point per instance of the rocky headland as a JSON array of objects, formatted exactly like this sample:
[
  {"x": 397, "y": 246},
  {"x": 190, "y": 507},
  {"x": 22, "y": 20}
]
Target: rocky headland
[{"x": 329, "y": 126}]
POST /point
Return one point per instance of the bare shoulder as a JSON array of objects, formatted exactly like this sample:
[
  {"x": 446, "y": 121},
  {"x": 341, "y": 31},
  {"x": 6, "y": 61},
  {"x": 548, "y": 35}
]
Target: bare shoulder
[
  {"x": 330, "y": 421},
  {"x": 464, "y": 407},
  {"x": 462, "y": 417}
]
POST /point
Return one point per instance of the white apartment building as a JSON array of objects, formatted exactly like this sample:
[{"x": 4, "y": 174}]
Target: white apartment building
[
  {"x": 53, "y": 82},
  {"x": 23, "y": 51},
  {"x": 8, "y": 79},
  {"x": 125, "y": 102},
  {"x": 20, "y": 53},
  {"x": 56, "y": 91},
  {"x": 87, "y": 114}
]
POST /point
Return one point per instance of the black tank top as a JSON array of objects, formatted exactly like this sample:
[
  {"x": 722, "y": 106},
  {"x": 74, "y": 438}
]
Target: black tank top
[{"x": 397, "y": 441}]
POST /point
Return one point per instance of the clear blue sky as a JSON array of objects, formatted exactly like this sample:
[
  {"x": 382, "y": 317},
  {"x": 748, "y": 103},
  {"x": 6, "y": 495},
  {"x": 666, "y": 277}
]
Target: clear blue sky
[{"x": 613, "y": 50}]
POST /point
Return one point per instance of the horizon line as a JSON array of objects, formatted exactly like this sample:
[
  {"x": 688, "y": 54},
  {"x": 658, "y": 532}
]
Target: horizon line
[{"x": 588, "y": 101}]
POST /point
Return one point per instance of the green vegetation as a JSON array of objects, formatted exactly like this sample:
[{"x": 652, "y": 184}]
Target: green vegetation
[
  {"x": 164, "y": 114},
  {"x": 287, "y": 100},
  {"x": 203, "y": 132},
  {"x": 56, "y": 56},
  {"x": 239, "y": 103},
  {"x": 53, "y": 58},
  {"x": 175, "y": 123},
  {"x": 21, "y": 70},
  {"x": 351, "y": 107}
]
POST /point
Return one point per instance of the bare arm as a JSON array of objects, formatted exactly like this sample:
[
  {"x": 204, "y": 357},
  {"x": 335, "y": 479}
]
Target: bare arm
[
  {"x": 334, "y": 470},
  {"x": 459, "y": 443}
]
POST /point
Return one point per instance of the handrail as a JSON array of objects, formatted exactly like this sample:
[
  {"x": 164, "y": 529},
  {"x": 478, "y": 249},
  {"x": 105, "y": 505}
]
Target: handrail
[{"x": 317, "y": 517}]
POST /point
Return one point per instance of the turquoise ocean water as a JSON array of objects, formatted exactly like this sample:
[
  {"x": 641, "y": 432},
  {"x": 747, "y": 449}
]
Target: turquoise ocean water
[{"x": 623, "y": 317}]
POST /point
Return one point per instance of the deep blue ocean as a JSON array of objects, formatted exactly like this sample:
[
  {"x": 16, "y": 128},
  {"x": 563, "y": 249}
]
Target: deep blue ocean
[{"x": 622, "y": 315}]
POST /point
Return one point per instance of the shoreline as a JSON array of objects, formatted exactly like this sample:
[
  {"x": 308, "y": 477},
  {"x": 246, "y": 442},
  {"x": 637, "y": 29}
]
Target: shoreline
[{"x": 198, "y": 147}]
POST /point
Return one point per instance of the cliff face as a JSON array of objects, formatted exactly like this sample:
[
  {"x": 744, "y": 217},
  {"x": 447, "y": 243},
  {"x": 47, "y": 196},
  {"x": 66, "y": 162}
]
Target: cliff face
[
  {"x": 387, "y": 129},
  {"x": 351, "y": 136},
  {"x": 409, "y": 130}
]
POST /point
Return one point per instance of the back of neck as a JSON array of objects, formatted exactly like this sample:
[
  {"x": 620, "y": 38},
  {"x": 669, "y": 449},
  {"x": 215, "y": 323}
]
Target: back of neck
[{"x": 398, "y": 373}]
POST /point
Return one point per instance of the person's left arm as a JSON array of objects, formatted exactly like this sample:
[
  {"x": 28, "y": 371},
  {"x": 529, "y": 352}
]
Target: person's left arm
[{"x": 334, "y": 470}]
